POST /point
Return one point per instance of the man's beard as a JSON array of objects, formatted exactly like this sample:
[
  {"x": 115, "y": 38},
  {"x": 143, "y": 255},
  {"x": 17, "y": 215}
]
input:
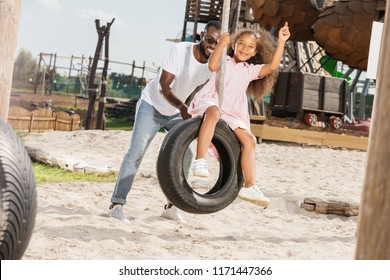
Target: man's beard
[{"x": 203, "y": 51}]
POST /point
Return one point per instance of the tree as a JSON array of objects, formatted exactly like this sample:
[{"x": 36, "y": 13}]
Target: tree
[
  {"x": 25, "y": 66},
  {"x": 9, "y": 15}
]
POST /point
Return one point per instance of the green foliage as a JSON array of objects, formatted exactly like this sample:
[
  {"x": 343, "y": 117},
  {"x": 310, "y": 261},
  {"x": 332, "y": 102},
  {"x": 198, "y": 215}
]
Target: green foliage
[
  {"x": 25, "y": 66},
  {"x": 119, "y": 124},
  {"x": 125, "y": 86},
  {"x": 368, "y": 108},
  {"x": 49, "y": 174},
  {"x": 68, "y": 85}
]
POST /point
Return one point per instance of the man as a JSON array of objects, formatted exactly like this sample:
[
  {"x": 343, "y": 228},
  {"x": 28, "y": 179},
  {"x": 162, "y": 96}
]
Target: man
[{"x": 162, "y": 105}]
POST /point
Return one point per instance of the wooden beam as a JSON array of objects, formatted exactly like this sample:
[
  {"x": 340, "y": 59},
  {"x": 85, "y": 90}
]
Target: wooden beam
[
  {"x": 9, "y": 15},
  {"x": 373, "y": 225},
  {"x": 302, "y": 136}
]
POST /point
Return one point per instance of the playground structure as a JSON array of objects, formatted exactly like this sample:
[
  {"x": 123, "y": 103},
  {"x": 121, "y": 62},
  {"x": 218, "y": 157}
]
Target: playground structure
[
  {"x": 76, "y": 71},
  {"x": 341, "y": 29},
  {"x": 50, "y": 64}
]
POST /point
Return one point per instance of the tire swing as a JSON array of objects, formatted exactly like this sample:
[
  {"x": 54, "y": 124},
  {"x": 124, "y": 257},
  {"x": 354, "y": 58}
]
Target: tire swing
[
  {"x": 18, "y": 198},
  {"x": 171, "y": 176}
]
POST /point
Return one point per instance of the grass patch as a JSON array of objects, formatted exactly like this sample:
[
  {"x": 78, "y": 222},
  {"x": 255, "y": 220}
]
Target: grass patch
[
  {"x": 49, "y": 174},
  {"x": 119, "y": 124}
]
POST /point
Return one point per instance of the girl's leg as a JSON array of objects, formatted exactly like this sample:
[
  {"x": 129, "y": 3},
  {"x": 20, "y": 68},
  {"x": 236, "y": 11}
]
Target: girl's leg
[
  {"x": 250, "y": 192},
  {"x": 248, "y": 163},
  {"x": 206, "y": 131}
]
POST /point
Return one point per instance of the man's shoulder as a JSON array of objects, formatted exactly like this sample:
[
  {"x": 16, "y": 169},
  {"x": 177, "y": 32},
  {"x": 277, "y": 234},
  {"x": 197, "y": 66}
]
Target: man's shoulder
[{"x": 184, "y": 45}]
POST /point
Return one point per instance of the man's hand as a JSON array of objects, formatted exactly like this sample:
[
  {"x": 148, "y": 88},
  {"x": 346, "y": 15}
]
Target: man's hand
[
  {"x": 184, "y": 111},
  {"x": 166, "y": 80}
]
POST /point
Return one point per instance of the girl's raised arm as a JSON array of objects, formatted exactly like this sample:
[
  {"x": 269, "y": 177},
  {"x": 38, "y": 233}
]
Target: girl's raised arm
[{"x": 283, "y": 35}]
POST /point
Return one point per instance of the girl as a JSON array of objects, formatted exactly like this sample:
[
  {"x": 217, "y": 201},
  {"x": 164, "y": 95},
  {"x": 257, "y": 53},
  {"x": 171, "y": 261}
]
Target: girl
[{"x": 240, "y": 70}]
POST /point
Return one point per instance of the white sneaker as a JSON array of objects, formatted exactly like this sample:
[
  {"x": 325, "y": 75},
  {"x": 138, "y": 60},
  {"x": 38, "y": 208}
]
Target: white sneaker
[
  {"x": 172, "y": 213},
  {"x": 200, "y": 168},
  {"x": 254, "y": 195},
  {"x": 117, "y": 212}
]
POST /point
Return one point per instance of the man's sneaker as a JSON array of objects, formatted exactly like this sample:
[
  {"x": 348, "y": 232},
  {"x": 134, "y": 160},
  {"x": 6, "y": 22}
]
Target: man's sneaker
[
  {"x": 200, "y": 168},
  {"x": 254, "y": 195},
  {"x": 172, "y": 213},
  {"x": 116, "y": 212}
]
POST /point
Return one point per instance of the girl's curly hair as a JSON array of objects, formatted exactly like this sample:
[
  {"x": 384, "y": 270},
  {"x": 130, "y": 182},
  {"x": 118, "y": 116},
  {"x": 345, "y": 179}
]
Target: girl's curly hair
[{"x": 264, "y": 53}]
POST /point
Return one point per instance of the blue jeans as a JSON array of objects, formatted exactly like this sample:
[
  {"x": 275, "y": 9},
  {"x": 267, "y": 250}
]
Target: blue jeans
[{"x": 148, "y": 121}]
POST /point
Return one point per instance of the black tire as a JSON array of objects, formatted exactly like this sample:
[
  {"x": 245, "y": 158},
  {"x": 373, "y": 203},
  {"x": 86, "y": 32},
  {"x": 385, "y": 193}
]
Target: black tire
[
  {"x": 170, "y": 168},
  {"x": 18, "y": 198}
]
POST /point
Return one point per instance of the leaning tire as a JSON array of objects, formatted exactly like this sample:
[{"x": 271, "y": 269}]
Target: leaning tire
[
  {"x": 18, "y": 198},
  {"x": 170, "y": 168}
]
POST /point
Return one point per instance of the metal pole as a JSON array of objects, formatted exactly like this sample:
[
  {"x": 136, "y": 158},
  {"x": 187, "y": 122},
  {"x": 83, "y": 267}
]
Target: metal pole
[
  {"x": 351, "y": 96},
  {"x": 222, "y": 63},
  {"x": 363, "y": 94}
]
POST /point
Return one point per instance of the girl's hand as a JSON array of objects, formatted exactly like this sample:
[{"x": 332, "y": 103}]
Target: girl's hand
[
  {"x": 284, "y": 33},
  {"x": 225, "y": 39}
]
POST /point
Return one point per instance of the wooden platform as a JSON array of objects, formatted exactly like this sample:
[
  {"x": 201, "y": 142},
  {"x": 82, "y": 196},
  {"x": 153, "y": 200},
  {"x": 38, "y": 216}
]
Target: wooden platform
[{"x": 303, "y": 134}]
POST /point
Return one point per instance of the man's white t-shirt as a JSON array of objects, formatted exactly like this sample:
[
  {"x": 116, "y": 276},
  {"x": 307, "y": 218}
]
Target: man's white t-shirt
[{"x": 189, "y": 73}]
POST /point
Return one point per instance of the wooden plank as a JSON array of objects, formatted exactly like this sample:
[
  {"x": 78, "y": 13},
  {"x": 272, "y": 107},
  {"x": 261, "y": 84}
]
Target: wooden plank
[
  {"x": 301, "y": 136},
  {"x": 66, "y": 122},
  {"x": 330, "y": 207},
  {"x": 257, "y": 118},
  {"x": 19, "y": 118},
  {"x": 43, "y": 120},
  {"x": 352, "y": 142}
]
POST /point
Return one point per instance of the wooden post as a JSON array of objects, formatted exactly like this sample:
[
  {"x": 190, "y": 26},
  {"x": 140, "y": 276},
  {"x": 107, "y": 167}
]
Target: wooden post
[
  {"x": 9, "y": 15},
  {"x": 236, "y": 16},
  {"x": 70, "y": 72},
  {"x": 31, "y": 122},
  {"x": 70, "y": 66},
  {"x": 196, "y": 18},
  {"x": 53, "y": 73},
  {"x": 101, "y": 119},
  {"x": 373, "y": 226},
  {"x": 92, "y": 87},
  {"x": 132, "y": 73},
  {"x": 37, "y": 78},
  {"x": 71, "y": 124},
  {"x": 143, "y": 69}
]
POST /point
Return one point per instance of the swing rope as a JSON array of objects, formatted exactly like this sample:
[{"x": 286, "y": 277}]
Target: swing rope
[{"x": 222, "y": 62}]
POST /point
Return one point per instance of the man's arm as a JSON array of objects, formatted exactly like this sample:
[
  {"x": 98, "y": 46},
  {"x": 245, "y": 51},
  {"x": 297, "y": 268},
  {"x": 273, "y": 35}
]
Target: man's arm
[{"x": 166, "y": 80}]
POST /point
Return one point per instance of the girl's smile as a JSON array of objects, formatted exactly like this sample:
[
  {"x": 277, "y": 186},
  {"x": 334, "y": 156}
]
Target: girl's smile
[{"x": 244, "y": 48}]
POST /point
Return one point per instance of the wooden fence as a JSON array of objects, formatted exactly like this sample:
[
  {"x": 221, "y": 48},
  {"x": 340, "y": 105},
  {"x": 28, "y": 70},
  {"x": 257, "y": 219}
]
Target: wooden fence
[{"x": 42, "y": 120}]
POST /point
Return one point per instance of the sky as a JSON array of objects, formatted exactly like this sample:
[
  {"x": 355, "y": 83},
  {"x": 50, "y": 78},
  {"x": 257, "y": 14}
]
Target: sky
[{"x": 67, "y": 27}]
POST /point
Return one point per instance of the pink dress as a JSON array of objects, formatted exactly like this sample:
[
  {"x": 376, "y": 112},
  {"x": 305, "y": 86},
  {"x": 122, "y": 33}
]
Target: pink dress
[{"x": 234, "y": 107}]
